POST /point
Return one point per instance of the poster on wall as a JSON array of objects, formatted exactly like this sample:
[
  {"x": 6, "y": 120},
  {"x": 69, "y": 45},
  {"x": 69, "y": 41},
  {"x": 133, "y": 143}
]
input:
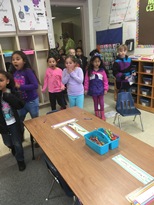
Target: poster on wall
[
  {"x": 145, "y": 23},
  {"x": 122, "y": 10},
  {"x": 6, "y": 16},
  {"x": 30, "y": 15}
]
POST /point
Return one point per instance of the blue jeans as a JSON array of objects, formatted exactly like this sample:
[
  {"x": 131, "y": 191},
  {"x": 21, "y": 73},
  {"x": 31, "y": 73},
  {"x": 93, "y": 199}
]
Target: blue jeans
[
  {"x": 14, "y": 139},
  {"x": 31, "y": 107},
  {"x": 76, "y": 100}
]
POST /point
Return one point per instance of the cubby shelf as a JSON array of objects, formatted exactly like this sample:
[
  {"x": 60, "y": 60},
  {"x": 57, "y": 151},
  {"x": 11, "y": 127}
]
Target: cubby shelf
[
  {"x": 145, "y": 85},
  {"x": 36, "y": 47}
]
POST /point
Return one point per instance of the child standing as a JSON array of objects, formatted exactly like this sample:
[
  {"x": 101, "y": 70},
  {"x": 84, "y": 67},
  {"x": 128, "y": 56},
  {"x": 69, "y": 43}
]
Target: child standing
[
  {"x": 27, "y": 84},
  {"x": 82, "y": 59},
  {"x": 123, "y": 70},
  {"x": 53, "y": 80},
  {"x": 10, "y": 127},
  {"x": 96, "y": 84},
  {"x": 73, "y": 77}
]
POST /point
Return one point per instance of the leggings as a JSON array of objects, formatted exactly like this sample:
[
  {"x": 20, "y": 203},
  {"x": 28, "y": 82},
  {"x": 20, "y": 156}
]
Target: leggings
[
  {"x": 76, "y": 100},
  {"x": 98, "y": 100}
]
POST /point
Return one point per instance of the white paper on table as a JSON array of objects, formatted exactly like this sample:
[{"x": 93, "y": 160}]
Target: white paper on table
[{"x": 69, "y": 133}]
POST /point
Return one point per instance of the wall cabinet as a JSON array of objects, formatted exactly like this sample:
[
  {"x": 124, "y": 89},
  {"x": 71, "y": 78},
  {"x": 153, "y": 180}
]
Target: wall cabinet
[
  {"x": 36, "y": 47},
  {"x": 143, "y": 89}
]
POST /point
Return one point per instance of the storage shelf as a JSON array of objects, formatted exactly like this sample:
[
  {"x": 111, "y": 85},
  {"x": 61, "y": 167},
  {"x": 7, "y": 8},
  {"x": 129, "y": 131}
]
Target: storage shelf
[
  {"x": 140, "y": 66},
  {"x": 35, "y": 46},
  {"x": 146, "y": 85},
  {"x": 138, "y": 97}
]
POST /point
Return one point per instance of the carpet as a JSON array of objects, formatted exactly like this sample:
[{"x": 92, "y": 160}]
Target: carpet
[{"x": 30, "y": 187}]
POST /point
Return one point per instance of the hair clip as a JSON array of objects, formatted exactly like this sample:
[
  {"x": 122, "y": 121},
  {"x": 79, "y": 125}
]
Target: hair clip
[{"x": 97, "y": 54}]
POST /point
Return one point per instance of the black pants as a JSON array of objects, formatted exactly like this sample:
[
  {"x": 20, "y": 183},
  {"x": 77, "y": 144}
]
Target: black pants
[{"x": 53, "y": 97}]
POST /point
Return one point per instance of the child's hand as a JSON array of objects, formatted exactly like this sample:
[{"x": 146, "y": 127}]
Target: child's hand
[
  {"x": 17, "y": 85},
  {"x": 69, "y": 70},
  {"x": 134, "y": 73},
  {"x": 126, "y": 78},
  {"x": 105, "y": 92},
  {"x": 42, "y": 90},
  {"x": 85, "y": 92},
  {"x": 63, "y": 88}
]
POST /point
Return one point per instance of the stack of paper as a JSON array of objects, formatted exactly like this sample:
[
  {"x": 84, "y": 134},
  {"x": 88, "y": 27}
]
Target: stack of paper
[{"x": 142, "y": 196}]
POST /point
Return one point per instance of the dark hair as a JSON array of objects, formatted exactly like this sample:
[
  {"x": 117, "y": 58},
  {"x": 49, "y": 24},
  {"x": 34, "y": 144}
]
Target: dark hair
[
  {"x": 91, "y": 67},
  {"x": 55, "y": 57},
  {"x": 73, "y": 58},
  {"x": 24, "y": 57},
  {"x": 11, "y": 84},
  {"x": 53, "y": 53},
  {"x": 93, "y": 52},
  {"x": 65, "y": 35},
  {"x": 79, "y": 48}
]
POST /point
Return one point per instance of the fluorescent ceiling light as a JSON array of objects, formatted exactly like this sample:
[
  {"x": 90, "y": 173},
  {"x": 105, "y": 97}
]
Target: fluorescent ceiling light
[
  {"x": 78, "y": 7},
  {"x": 53, "y": 18}
]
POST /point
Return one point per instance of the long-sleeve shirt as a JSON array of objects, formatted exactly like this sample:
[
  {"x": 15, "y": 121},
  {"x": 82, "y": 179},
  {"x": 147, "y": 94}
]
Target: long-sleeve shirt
[
  {"x": 28, "y": 84},
  {"x": 97, "y": 83},
  {"x": 53, "y": 80},
  {"x": 74, "y": 81}
]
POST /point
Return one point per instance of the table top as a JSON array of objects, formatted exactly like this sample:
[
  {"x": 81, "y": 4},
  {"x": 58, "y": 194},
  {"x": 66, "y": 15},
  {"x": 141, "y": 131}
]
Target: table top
[{"x": 95, "y": 179}]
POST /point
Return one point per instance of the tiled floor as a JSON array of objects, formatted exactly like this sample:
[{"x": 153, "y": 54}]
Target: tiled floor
[{"x": 128, "y": 125}]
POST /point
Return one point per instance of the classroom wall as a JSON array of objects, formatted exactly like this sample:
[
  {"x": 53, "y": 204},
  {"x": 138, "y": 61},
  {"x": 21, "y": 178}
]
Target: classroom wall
[{"x": 101, "y": 12}]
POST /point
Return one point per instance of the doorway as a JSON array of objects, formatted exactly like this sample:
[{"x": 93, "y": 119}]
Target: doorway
[{"x": 66, "y": 19}]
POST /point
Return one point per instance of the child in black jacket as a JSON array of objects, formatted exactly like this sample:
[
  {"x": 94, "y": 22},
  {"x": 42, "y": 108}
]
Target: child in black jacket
[{"x": 10, "y": 127}]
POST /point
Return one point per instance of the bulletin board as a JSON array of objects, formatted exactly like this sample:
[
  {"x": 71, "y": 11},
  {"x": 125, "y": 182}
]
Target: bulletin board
[
  {"x": 109, "y": 36},
  {"x": 145, "y": 23}
]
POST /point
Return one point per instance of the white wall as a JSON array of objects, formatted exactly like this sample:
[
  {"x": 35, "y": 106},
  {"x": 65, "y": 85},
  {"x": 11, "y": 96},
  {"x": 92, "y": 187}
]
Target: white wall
[{"x": 101, "y": 10}]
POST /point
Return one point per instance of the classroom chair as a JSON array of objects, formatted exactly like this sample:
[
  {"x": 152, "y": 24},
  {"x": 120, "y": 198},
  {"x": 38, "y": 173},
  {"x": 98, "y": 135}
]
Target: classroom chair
[
  {"x": 125, "y": 107},
  {"x": 56, "y": 176}
]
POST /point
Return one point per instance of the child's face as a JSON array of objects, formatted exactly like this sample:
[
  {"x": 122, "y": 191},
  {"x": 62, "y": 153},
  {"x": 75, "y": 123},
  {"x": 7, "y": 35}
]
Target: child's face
[
  {"x": 61, "y": 52},
  {"x": 72, "y": 52},
  {"x": 70, "y": 64},
  {"x": 122, "y": 53},
  {"x": 78, "y": 52},
  {"x": 52, "y": 63},
  {"x": 3, "y": 82},
  {"x": 17, "y": 62},
  {"x": 96, "y": 63},
  {"x": 63, "y": 57}
]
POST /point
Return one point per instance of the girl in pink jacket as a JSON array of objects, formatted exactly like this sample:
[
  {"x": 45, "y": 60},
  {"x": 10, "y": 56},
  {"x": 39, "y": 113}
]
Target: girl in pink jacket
[
  {"x": 96, "y": 84},
  {"x": 53, "y": 81}
]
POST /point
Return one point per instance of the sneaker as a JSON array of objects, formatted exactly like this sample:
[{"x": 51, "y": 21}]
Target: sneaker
[{"x": 21, "y": 165}]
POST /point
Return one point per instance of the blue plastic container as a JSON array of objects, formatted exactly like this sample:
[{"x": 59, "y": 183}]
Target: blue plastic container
[
  {"x": 112, "y": 143},
  {"x": 101, "y": 137},
  {"x": 147, "y": 80},
  {"x": 148, "y": 69},
  {"x": 134, "y": 89},
  {"x": 145, "y": 101},
  {"x": 145, "y": 91}
]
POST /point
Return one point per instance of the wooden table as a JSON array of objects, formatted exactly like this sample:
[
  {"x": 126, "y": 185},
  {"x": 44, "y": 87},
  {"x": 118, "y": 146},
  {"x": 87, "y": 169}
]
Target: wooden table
[{"x": 95, "y": 179}]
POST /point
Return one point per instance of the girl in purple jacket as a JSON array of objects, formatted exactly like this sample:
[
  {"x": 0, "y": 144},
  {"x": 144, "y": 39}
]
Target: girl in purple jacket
[
  {"x": 26, "y": 83},
  {"x": 96, "y": 84}
]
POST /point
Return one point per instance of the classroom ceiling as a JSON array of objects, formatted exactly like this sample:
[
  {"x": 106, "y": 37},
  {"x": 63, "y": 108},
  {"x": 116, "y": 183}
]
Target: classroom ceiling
[{"x": 63, "y": 12}]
